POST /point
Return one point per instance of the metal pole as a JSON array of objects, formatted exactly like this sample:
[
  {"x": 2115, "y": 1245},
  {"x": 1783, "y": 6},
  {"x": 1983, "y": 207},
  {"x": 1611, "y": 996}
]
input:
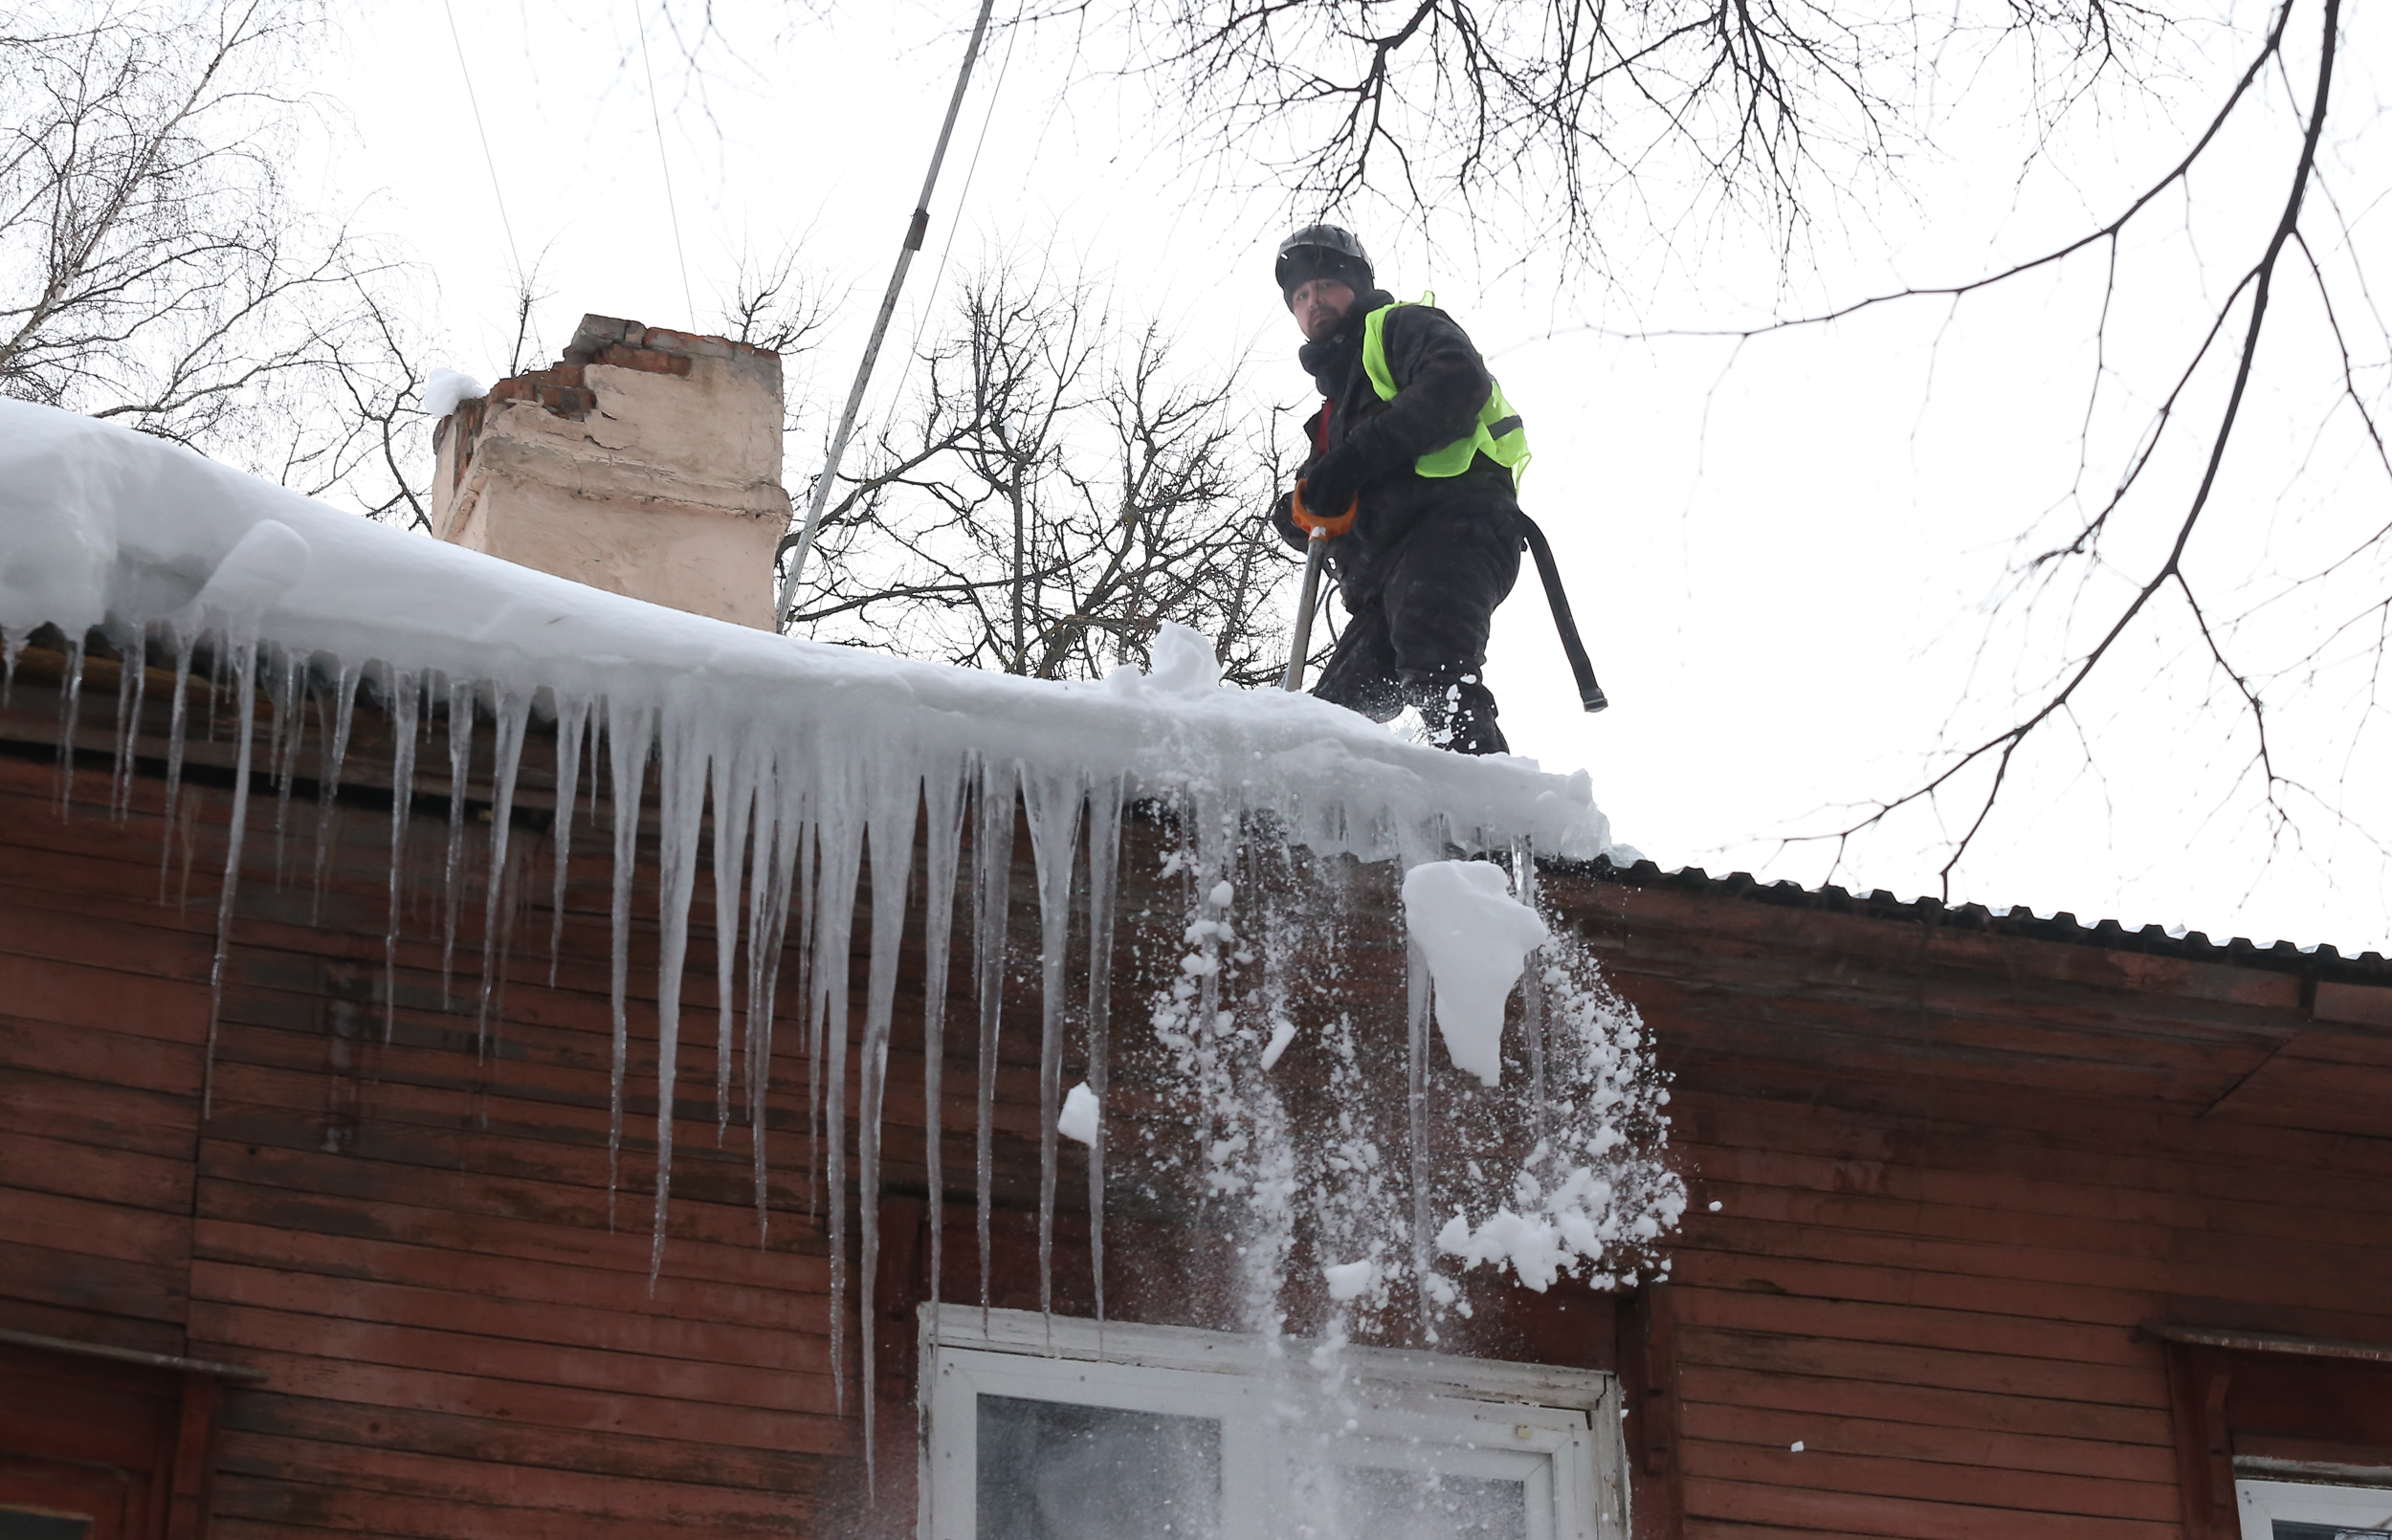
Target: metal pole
[
  {"x": 1316, "y": 549},
  {"x": 915, "y": 229}
]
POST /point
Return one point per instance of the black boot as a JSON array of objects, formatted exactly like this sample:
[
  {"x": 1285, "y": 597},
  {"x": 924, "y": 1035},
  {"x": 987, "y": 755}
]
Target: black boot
[{"x": 1457, "y": 708}]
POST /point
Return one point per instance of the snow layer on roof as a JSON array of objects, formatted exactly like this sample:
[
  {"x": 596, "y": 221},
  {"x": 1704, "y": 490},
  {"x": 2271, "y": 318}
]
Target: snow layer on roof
[
  {"x": 101, "y": 525},
  {"x": 808, "y": 757}
]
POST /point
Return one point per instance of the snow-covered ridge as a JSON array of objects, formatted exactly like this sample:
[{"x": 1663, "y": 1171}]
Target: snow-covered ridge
[{"x": 101, "y": 525}]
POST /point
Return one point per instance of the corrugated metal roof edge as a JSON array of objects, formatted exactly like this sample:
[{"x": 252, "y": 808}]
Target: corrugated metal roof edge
[{"x": 2322, "y": 962}]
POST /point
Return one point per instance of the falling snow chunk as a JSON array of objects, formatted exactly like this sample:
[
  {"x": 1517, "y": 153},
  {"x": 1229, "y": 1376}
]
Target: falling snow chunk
[
  {"x": 1352, "y": 1280},
  {"x": 1281, "y": 1035},
  {"x": 1796, "y": 1448},
  {"x": 1476, "y": 937},
  {"x": 1079, "y": 1116}
]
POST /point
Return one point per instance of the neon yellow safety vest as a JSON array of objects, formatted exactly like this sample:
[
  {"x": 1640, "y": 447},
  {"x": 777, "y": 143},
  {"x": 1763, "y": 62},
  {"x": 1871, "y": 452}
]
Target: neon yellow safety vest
[{"x": 1499, "y": 435}]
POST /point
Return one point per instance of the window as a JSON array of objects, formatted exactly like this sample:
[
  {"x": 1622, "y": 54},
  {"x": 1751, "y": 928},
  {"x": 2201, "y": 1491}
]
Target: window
[
  {"x": 1159, "y": 1433},
  {"x": 2302, "y": 1510}
]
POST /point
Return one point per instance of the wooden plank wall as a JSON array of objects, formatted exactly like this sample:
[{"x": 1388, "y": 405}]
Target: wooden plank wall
[
  {"x": 410, "y": 1238},
  {"x": 1956, "y": 1172}
]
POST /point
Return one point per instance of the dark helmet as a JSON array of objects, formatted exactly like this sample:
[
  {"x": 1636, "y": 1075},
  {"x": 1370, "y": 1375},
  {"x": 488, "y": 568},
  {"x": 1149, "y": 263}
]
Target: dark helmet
[{"x": 1322, "y": 251}]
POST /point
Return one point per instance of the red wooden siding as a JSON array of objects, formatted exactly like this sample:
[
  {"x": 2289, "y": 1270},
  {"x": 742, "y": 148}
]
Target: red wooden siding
[{"x": 1960, "y": 1171}]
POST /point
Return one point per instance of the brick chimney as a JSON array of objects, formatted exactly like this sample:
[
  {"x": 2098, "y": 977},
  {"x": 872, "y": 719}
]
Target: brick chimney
[{"x": 646, "y": 462}]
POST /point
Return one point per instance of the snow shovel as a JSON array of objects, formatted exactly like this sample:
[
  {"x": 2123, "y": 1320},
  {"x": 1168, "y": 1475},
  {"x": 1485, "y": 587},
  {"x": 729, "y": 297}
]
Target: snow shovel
[{"x": 1316, "y": 555}]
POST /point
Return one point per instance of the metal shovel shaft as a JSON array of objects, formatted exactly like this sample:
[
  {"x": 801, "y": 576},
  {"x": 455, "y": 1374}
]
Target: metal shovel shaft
[{"x": 1316, "y": 552}]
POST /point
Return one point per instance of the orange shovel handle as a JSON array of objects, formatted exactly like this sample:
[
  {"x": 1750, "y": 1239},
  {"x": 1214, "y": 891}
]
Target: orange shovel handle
[{"x": 1312, "y": 523}]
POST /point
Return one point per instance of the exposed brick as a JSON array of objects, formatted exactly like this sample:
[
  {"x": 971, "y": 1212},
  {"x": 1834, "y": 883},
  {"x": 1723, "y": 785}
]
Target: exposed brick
[{"x": 645, "y": 359}]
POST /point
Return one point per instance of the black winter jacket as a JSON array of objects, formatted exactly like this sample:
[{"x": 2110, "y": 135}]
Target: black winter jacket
[{"x": 1441, "y": 382}]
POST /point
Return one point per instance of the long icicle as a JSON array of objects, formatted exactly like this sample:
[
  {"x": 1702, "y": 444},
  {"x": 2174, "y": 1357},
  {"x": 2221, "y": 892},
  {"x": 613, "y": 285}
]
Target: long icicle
[
  {"x": 69, "y": 708},
  {"x": 734, "y": 782},
  {"x": 461, "y": 769},
  {"x": 896, "y": 801},
  {"x": 513, "y": 710},
  {"x": 132, "y": 684},
  {"x": 992, "y": 875},
  {"x": 1104, "y": 859},
  {"x": 840, "y": 819},
  {"x": 1052, "y": 800},
  {"x": 1532, "y": 992},
  {"x": 406, "y": 697},
  {"x": 177, "y": 723},
  {"x": 781, "y": 826},
  {"x": 1416, "y": 1106},
  {"x": 943, "y": 795},
  {"x": 572, "y": 726},
  {"x": 681, "y": 817},
  {"x": 333, "y": 746},
  {"x": 628, "y": 732},
  {"x": 244, "y": 661},
  {"x": 290, "y": 731}
]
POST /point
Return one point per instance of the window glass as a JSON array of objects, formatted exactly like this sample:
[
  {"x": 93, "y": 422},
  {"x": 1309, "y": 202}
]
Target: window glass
[
  {"x": 1048, "y": 1470},
  {"x": 1405, "y": 1505},
  {"x": 2288, "y": 1529}
]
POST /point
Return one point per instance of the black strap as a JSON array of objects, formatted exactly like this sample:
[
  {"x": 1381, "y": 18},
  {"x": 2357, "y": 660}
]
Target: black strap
[{"x": 1589, "y": 694}]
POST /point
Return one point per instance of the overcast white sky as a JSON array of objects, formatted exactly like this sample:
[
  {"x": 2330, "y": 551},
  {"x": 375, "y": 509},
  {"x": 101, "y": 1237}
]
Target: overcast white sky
[{"x": 1778, "y": 565}]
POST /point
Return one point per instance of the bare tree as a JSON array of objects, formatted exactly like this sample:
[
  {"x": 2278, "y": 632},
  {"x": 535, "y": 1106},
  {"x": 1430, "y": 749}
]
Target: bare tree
[
  {"x": 153, "y": 268},
  {"x": 1549, "y": 110},
  {"x": 1057, "y": 489},
  {"x": 1764, "y": 111}
]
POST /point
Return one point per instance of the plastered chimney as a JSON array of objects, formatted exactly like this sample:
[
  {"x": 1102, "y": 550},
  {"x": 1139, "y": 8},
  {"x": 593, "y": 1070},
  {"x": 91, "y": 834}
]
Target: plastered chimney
[{"x": 646, "y": 462}]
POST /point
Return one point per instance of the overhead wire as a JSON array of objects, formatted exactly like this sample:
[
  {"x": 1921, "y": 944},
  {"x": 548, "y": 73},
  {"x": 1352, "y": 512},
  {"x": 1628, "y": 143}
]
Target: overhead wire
[
  {"x": 672, "y": 202},
  {"x": 487, "y": 159}
]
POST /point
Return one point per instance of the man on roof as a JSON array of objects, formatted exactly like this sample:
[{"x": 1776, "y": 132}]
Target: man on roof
[{"x": 1413, "y": 467}]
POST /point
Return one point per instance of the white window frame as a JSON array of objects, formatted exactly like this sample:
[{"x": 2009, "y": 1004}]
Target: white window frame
[
  {"x": 2262, "y": 1502},
  {"x": 1556, "y": 1430}
]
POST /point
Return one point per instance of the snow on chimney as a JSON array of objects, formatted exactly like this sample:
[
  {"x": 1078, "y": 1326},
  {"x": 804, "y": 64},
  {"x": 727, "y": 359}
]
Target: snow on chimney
[{"x": 646, "y": 462}]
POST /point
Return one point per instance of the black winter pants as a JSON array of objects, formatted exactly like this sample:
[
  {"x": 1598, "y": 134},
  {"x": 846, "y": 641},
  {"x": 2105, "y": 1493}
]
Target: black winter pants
[{"x": 1416, "y": 632}]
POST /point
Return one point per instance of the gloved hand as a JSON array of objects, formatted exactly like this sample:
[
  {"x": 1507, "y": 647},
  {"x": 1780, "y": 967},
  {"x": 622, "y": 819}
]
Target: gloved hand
[
  {"x": 1334, "y": 481},
  {"x": 1283, "y": 520}
]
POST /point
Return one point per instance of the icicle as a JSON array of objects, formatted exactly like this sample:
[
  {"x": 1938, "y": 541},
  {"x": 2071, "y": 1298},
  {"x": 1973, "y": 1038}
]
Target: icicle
[
  {"x": 136, "y": 675},
  {"x": 572, "y": 724},
  {"x": 175, "y": 725},
  {"x": 681, "y": 821},
  {"x": 1416, "y": 1103},
  {"x": 341, "y": 709},
  {"x": 992, "y": 874},
  {"x": 943, "y": 794},
  {"x": 290, "y": 730},
  {"x": 460, "y": 768},
  {"x": 840, "y": 819},
  {"x": 628, "y": 732},
  {"x": 810, "y": 865},
  {"x": 70, "y": 707},
  {"x": 1532, "y": 994},
  {"x": 244, "y": 659},
  {"x": 513, "y": 711},
  {"x": 734, "y": 791},
  {"x": 896, "y": 801},
  {"x": 769, "y": 923},
  {"x": 405, "y": 696},
  {"x": 1051, "y": 799},
  {"x": 1104, "y": 858}
]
